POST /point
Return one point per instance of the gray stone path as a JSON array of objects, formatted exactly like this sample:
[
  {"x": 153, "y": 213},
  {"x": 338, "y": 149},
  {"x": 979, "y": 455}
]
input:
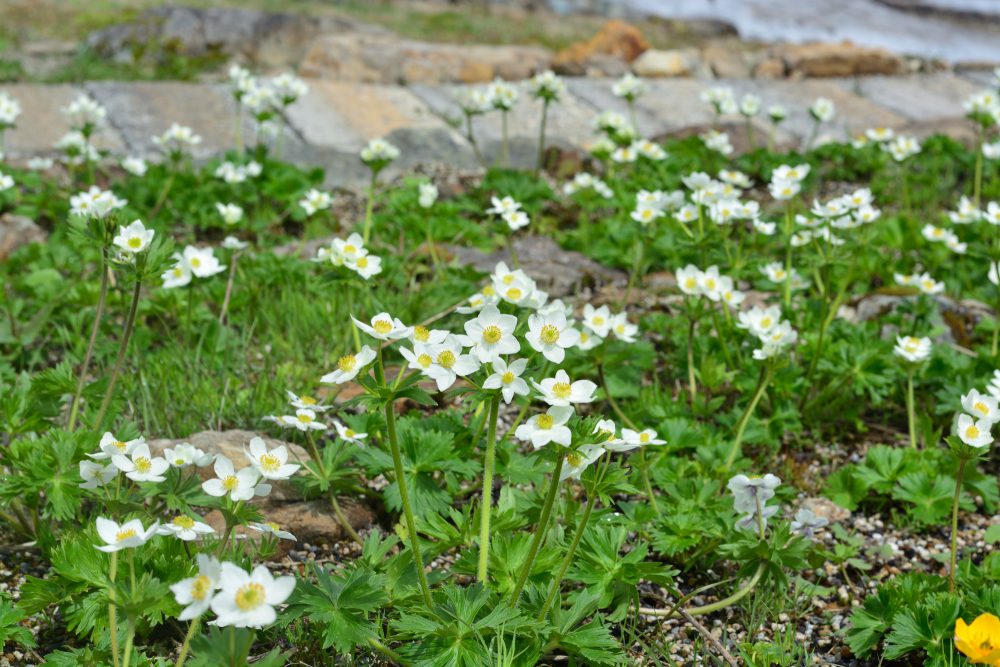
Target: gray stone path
[{"x": 331, "y": 124}]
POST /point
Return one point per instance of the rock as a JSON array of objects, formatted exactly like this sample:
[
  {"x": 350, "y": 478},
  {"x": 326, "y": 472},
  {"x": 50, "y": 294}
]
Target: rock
[
  {"x": 265, "y": 39},
  {"x": 923, "y": 97},
  {"x": 770, "y": 68},
  {"x": 826, "y": 508},
  {"x": 655, "y": 63},
  {"x": 621, "y": 40},
  {"x": 373, "y": 58},
  {"x": 559, "y": 272},
  {"x": 17, "y": 231},
  {"x": 825, "y": 59},
  {"x": 231, "y": 444},
  {"x": 726, "y": 60}
]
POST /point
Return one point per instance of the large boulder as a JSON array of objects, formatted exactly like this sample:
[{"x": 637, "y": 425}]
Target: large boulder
[
  {"x": 372, "y": 58},
  {"x": 825, "y": 59},
  {"x": 656, "y": 63},
  {"x": 264, "y": 39},
  {"x": 617, "y": 40},
  {"x": 17, "y": 231}
]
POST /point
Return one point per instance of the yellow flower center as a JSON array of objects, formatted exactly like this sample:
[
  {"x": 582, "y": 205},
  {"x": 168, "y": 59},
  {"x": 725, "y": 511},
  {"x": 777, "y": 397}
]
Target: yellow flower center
[
  {"x": 272, "y": 525},
  {"x": 574, "y": 459},
  {"x": 690, "y": 283},
  {"x": 545, "y": 421},
  {"x": 514, "y": 294},
  {"x": 507, "y": 279},
  {"x": 508, "y": 377},
  {"x": 269, "y": 462},
  {"x": 346, "y": 363},
  {"x": 142, "y": 464},
  {"x": 123, "y": 535},
  {"x": 765, "y": 322},
  {"x": 250, "y": 597},
  {"x": 644, "y": 438},
  {"x": 195, "y": 263},
  {"x": 230, "y": 483},
  {"x": 488, "y": 290},
  {"x": 492, "y": 334},
  {"x": 120, "y": 445},
  {"x": 179, "y": 461},
  {"x": 135, "y": 242},
  {"x": 971, "y": 431},
  {"x": 425, "y": 360},
  {"x": 446, "y": 359},
  {"x": 421, "y": 333},
  {"x": 305, "y": 419},
  {"x": 562, "y": 390},
  {"x": 307, "y": 400},
  {"x": 350, "y": 433},
  {"x": 349, "y": 249},
  {"x": 185, "y": 522},
  {"x": 201, "y": 587},
  {"x": 549, "y": 334},
  {"x": 382, "y": 326}
]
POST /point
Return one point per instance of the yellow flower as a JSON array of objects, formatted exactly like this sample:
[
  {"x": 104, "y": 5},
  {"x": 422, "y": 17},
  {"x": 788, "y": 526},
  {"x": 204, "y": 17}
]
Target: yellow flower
[{"x": 980, "y": 641}]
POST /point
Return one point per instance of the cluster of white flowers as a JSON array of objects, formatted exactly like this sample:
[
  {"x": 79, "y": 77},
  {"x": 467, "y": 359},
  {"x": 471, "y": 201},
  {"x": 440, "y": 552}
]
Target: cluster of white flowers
[
  {"x": 194, "y": 262},
  {"x": 823, "y": 110},
  {"x": 773, "y": 333},
  {"x": 238, "y": 598},
  {"x": 722, "y": 99},
  {"x": 717, "y": 141},
  {"x": 777, "y": 274},
  {"x": 230, "y": 213},
  {"x": 842, "y": 213},
  {"x": 84, "y": 114},
  {"x": 547, "y": 86},
  {"x": 77, "y": 148},
  {"x": 983, "y": 107},
  {"x": 315, "y": 200},
  {"x": 936, "y": 234},
  {"x": 265, "y": 99},
  {"x": 629, "y": 87},
  {"x": 379, "y": 153},
  {"x": 510, "y": 211},
  {"x": 233, "y": 173},
  {"x": 615, "y": 126},
  {"x": 10, "y": 109},
  {"x": 585, "y": 181},
  {"x": 428, "y": 194},
  {"x": 786, "y": 181},
  {"x": 177, "y": 140},
  {"x": 912, "y": 349},
  {"x": 750, "y": 496},
  {"x": 95, "y": 203},
  {"x": 974, "y": 425},
  {"x": 352, "y": 254},
  {"x": 652, "y": 204},
  {"x": 710, "y": 284},
  {"x": 308, "y": 409},
  {"x": 922, "y": 281}
]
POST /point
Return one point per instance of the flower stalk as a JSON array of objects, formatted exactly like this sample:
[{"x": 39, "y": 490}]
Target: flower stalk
[
  {"x": 120, "y": 358},
  {"x": 766, "y": 372},
  {"x": 487, "y": 502},
  {"x": 74, "y": 410},
  {"x": 540, "y": 530},
  {"x": 959, "y": 478}
]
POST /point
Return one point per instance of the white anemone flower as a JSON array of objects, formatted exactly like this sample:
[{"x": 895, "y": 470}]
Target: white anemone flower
[
  {"x": 507, "y": 378},
  {"x": 549, "y": 426},
  {"x": 195, "y": 593},
  {"x": 560, "y": 390},
  {"x": 271, "y": 464},
  {"x": 135, "y": 238},
  {"x": 641, "y": 438},
  {"x": 140, "y": 466},
  {"x": 384, "y": 327},
  {"x": 304, "y": 420},
  {"x": 185, "y": 454},
  {"x": 271, "y": 528},
  {"x": 242, "y": 485},
  {"x": 579, "y": 460},
  {"x": 912, "y": 349},
  {"x": 179, "y": 275},
  {"x": 551, "y": 335},
  {"x": 449, "y": 363},
  {"x": 95, "y": 475},
  {"x": 974, "y": 432},
  {"x": 349, "y": 365},
  {"x": 597, "y": 320},
  {"x": 981, "y": 406},
  {"x": 128, "y": 535},
  {"x": 230, "y": 213},
  {"x": 202, "y": 261},
  {"x": 348, "y": 434},
  {"x": 491, "y": 334},
  {"x": 248, "y": 600},
  {"x": 185, "y": 528},
  {"x": 623, "y": 330},
  {"x": 110, "y": 445}
]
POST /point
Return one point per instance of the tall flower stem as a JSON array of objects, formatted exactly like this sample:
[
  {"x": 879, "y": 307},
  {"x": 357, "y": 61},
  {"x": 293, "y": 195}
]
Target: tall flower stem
[
  {"x": 633, "y": 275},
  {"x": 765, "y": 377},
  {"x": 74, "y": 410},
  {"x": 130, "y": 638},
  {"x": 404, "y": 496},
  {"x": 911, "y": 419},
  {"x": 370, "y": 206},
  {"x": 120, "y": 359},
  {"x": 112, "y": 610},
  {"x": 692, "y": 383},
  {"x": 787, "y": 292},
  {"x": 568, "y": 558},
  {"x": 186, "y": 646},
  {"x": 959, "y": 477},
  {"x": 504, "y": 145},
  {"x": 977, "y": 185},
  {"x": 487, "y": 503},
  {"x": 541, "y": 136},
  {"x": 229, "y": 288},
  {"x": 230, "y": 524},
  {"x": 470, "y": 135},
  {"x": 540, "y": 530},
  {"x": 715, "y": 606},
  {"x": 341, "y": 517}
]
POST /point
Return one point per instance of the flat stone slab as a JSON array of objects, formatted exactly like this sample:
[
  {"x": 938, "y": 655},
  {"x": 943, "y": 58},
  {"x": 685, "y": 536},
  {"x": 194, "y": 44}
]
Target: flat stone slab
[
  {"x": 142, "y": 109},
  {"x": 42, "y": 123},
  {"x": 918, "y": 97},
  {"x": 337, "y": 119},
  {"x": 568, "y": 125}
]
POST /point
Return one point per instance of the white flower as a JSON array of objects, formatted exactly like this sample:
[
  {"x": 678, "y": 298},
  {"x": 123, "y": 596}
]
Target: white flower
[
  {"x": 551, "y": 334},
  {"x": 759, "y": 321},
  {"x": 491, "y": 334},
  {"x": 750, "y": 105},
  {"x": 305, "y": 402},
  {"x": 623, "y": 330},
  {"x": 379, "y": 152},
  {"x": 366, "y": 266},
  {"x": 503, "y": 205},
  {"x": 748, "y": 490},
  {"x": 248, "y": 600},
  {"x": 135, "y": 166},
  {"x": 135, "y": 238},
  {"x": 559, "y": 390},
  {"x": 822, "y": 110},
  {"x": 645, "y": 214},
  {"x": 185, "y": 528},
  {"x": 384, "y": 327},
  {"x": 195, "y": 593},
  {"x": 110, "y": 446},
  {"x": 271, "y": 464},
  {"x": 40, "y": 163},
  {"x": 140, "y": 466},
  {"x": 6, "y": 182},
  {"x": 926, "y": 284},
  {"x": 177, "y": 139},
  {"x": 347, "y": 434},
  {"x": 303, "y": 420},
  {"x": 230, "y": 213},
  {"x": 912, "y": 349},
  {"x": 238, "y": 486},
  {"x": 83, "y": 111},
  {"x": 10, "y": 109},
  {"x": 597, "y": 320},
  {"x": 546, "y": 85},
  {"x": 186, "y": 454},
  {"x": 579, "y": 460},
  {"x": 784, "y": 189},
  {"x": 315, "y": 200},
  {"x": 95, "y": 474},
  {"x": 202, "y": 262},
  {"x": 272, "y": 528},
  {"x": 233, "y": 243},
  {"x": 449, "y": 363},
  {"x": 806, "y": 522},
  {"x": 128, "y": 535},
  {"x": 507, "y": 378},
  {"x": 710, "y": 283},
  {"x": 177, "y": 276},
  {"x": 629, "y": 87},
  {"x": 348, "y": 366},
  {"x": 717, "y": 141},
  {"x": 547, "y": 427},
  {"x": 502, "y": 95},
  {"x": 775, "y": 341},
  {"x": 611, "y": 442},
  {"x": 516, "y": 219},
  {"x": 974, "y": 433},
  {"x": 428, "y": 195},
  {"x": 991, "y": 151},
  {"x": 640, "y": 438},
  {"x": 514, "y": 287},
  {"x": 983, "y": 407},
  {"x": 689, "y": 280},
  {"x": 934, "y": 233},
  {"x": 775, "y": 272}
]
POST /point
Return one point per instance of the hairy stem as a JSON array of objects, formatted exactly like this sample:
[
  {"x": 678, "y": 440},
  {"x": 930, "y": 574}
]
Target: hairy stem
[
  {"x": 487, "y": 502},
  {"x": 540, "y": 531},
  {"x": 120, "y": 359},
  {"x": 88, "y": 357}
]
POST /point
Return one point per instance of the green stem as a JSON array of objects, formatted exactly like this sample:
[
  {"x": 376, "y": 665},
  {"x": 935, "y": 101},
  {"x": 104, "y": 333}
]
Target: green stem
[
  {"x": 715, "y": 606},
  {"x": 692, "y": 385},
  {"x": 229, "y": 287},
  {"x": 162, "y": 197},
  {"x": 487, "y": 502},
  {"x": 959, "y": 476},
  {"x": 369, "y": 208},
  {"x": 186, "y": 646},
  {"x": 788, "y": 256},
  {"x": 119, "y": 360},
  {"x": 472, "y": 139},
  {"x": 634, "y": 273},
  {"x": 128, "y": 643},
  {"x": 88, "y": 357},
  {"x": 765, "y": 376},
  {"x": 229, "y": 529},
  {"x": 341, "y": 517},
  {"x": 112, "y": 610},
  {"x": 404, "y": 496},
  {"x": 568, "y": 558},
  {"x": 722, "y": 338},
  {"x": 644, "y": 473},
  {"x": 540, "y": 530},
  {"x": 910, "y": 413},
  {"x": 504, "y": 146},
  {"x": 541, "y": 136},
  {"x": 977, "y": 186}
]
